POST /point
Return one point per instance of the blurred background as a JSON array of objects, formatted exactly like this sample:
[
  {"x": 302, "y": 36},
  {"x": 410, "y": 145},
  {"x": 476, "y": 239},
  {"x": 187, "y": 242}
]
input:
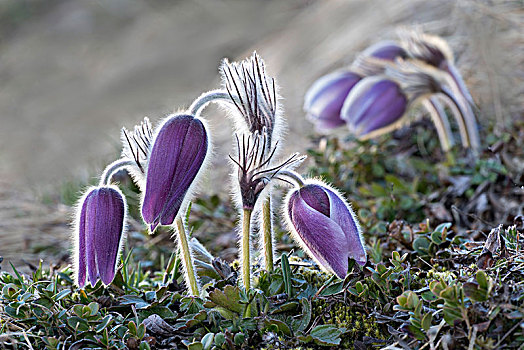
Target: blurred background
[{"x": 73, "y": 72}]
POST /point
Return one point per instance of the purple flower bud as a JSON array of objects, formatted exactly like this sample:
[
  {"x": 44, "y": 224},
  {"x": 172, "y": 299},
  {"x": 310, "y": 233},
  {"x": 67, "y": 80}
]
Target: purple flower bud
[
  {"x": 325, "y": 98},
  {"x": 179, "y": 150},
  {"x": 326, "y": 227},
  {"x": 374, "y": 106},
  {"x": 100, "y": 233},
  {"x": 385, "y": 50}
]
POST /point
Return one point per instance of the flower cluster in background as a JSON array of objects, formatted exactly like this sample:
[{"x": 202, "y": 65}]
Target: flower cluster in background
[{"x": 375, "y": 94}]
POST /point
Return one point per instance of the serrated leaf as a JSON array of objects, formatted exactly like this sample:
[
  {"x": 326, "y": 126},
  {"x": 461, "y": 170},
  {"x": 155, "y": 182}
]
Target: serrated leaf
[
  {"x": 228, "y": 299},
  {"x": 326, "y": 335}
]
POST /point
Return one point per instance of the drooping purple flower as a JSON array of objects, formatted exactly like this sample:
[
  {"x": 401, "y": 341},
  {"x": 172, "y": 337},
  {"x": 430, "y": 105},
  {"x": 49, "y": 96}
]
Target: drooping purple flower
[
  {"x": 325, "y": 226},
  {"x": 385, "y": 50},
  {"x": 99, "y": 234},
  {"x": 177, "y": 155},
  {"x": 325, "y": 98},
  {"x": 374, "y": 106}
]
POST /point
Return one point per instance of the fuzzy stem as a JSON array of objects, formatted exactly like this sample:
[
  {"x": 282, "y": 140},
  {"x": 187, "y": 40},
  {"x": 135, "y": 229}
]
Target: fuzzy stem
[
  {"x": 189, "y": 269},
  {"x": 203, "y": 100},
  {"x": 463, "y": 115},
  {"x": 267, "y": 232},
  {"x": 440, "y": 120},
  {"x": 299, "y": 180},
  {"x": 246, "y": 262},
  {"x": 464, "y": 107},
  {"x": 112, "y": 168}
]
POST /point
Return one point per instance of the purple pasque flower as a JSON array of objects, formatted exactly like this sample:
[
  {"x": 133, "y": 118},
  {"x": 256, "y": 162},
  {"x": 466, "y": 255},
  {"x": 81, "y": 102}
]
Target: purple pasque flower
[
  {"x": 100, "y": 231},
  {"x": 177, "y": 155},
  {"x": 376, "y": 105},
  {"x": 324, "y": 224},
  {"x": 325, "y": 98}
]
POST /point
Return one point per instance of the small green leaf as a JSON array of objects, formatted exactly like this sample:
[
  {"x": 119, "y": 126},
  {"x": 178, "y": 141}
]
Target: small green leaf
[
  {"x": 326, "y": 335},
  {"x": 426, "y": 321}
]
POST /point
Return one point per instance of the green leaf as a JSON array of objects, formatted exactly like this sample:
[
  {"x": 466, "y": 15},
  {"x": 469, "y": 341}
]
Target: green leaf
[
  {"x": 133, "y": 299},
  {"x": 287, "y": 275},
  {"x": 228, "y": 299},
  {"x": 332, "y": 289},
  {"x": 421, "y": 245},
  {"x": 77, "y": 323},
  {"x": 482, "y": 279},
  {"x": 61, "y": 295},
  {"x": 278, "y": 326},
  {"x": 207, "y": 341},
  {"x": 326, "y": 335},
  {"x": 106, "y": 321},
  {"x": 426, "y": 321}
]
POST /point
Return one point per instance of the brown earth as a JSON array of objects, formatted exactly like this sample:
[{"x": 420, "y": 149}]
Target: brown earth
[{"x": 73, "y": 75}]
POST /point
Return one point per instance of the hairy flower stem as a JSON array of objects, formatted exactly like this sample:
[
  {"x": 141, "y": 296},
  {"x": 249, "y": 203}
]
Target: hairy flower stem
[
  {"x": 470, "y": 123},
  {"x": 267, "y": 232},
  {"x": 299, "y": 180},
  {"x": 465, "y": 120},
  {"x": 189, "y": 269},
  {"x": 207, "y": 97},
  {"x": 246, "y": 259},
  {"x": 112, "y": 168},
  {"x": 440, "y": 120}
]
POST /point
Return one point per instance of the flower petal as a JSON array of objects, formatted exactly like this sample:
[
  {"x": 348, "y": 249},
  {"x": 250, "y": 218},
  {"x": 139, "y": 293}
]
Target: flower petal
[
  {"x": 109, "y": 231},
  {"x": 375, "y": 103},
  {"x": 80, "y": 249},
  {"x": 385, "y": 50},
  {"x": 342, "y": 214},
  {"x": 325, "y": 98}
]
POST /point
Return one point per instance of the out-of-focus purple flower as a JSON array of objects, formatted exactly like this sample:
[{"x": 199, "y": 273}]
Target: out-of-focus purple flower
[
  {"x": 385, "y": 50},
  {"x": 326, "y": 227},
  {"x": 374, "y": 106},
  {"x": 178, "y": 153},
  {"x": 325, "y": 98},
  {"x": 99, "y": 236}
]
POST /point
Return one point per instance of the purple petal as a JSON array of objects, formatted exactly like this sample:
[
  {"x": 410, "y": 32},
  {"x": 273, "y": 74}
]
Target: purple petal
[
  {"x": 104, "y": 226},
  {"x": 344, "y": 217},
  {"x": 91, "y": 227},
  {"x": 385, "y": 50},
  {"x": 321, "y": 235},
  {"x": 110, "y": 227},
  {"x": 316, "y": 198},
  {"x": 373, "y": 104},
  {"x": 81, "y": 263},
  {"x": 177, "y": 155},
  {"x": 325, "y": 98}
]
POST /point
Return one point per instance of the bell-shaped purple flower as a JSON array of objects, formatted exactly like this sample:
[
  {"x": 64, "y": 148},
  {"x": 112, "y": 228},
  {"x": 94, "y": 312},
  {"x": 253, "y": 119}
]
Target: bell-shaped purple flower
[
  {"x": 325, "y": 98},
  {"x": 99, "y": 234},
  {"x": 177, "y": 155},
  {"x": 385, "y": 50},
  {"x": 376, "y": 105},
  {"x": 326, "y": 227}
]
